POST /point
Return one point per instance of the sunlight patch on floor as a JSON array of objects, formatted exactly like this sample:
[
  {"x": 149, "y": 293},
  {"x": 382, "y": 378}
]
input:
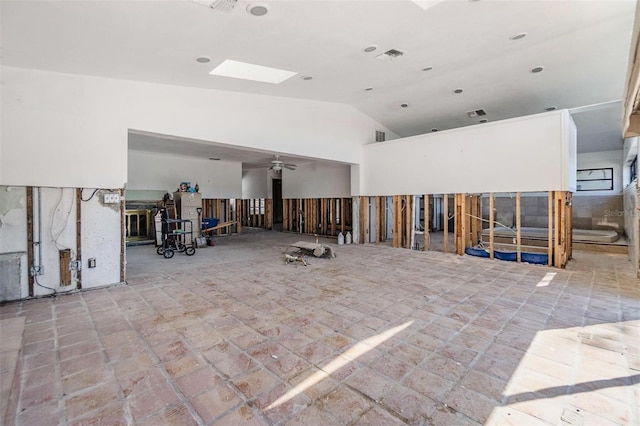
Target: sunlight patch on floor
[{"x": 340, "y": 361}]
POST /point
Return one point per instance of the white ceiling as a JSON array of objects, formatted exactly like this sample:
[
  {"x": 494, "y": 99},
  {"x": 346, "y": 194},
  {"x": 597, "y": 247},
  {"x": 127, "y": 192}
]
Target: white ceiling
[{"x": 583, "y": 46}]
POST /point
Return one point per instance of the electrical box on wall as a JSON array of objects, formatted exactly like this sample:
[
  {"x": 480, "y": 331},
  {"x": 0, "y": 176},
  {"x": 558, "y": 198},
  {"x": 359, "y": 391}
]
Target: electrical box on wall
[{"x": 111, "y": 198}]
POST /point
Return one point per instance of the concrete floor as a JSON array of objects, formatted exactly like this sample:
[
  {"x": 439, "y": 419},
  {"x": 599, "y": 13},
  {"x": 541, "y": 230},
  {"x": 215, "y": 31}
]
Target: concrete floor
[{"x": 375, "y": 336}]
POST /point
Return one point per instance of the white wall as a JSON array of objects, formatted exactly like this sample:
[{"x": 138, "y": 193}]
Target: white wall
[
  {"x": 71, "y": 130},
  {"x": 13, "y": 225},
  {"x": 101, "y": 235},
  {"x": 312, "y": 180},
  {"x": 598, "y": 160},
  {"x": 254, "y": 183},
  {"x": 216, "y": 179},
  {"x": 532, "y": 153}
]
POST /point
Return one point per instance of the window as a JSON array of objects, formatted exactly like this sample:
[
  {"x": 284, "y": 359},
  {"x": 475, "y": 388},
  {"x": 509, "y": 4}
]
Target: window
[{"x": 595, "y": 179}]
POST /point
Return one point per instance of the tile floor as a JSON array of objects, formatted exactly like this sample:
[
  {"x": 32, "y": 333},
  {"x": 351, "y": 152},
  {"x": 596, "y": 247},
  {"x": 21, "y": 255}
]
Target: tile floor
[{"x": 375, "y": 336}]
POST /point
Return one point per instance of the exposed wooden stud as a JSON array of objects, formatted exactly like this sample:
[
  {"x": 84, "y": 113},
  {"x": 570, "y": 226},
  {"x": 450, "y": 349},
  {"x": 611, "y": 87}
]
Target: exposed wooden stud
[
  {"x": 238, "y": 215},
  {"x": 569, "y": 207},
  {"x": 426, "y": 222},
  {"x": 473, "y": 209},
  {"x": 557, "y": 248},
  {"x": 445, "y": 207},
  {"x": 79, "y": 237},
  {"x": 218, "y": 213},
  {"x": 408, "y": 220},
  {"x": 30, "y": 256},
  {"x": 550, "y": 228},
  {"x": 518, "y": 227},
  {"x": 332, "y": 215},
  {"x": 343, "y": 215},
  {"x": 64, "y": 262},
  {"x": 394, "y": 226},
  {"x": 362, "y": 220},
  {"x": 123, "y": 237},
  {"x": 378, "y": 219},
  {"x": 467, "y": 200},
  {"x": 268, "y": 214},
  {"x": 491, "y": 221}
]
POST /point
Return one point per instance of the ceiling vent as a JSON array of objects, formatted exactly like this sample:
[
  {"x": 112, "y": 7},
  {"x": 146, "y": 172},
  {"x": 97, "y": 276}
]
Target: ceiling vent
[
  {"x": 477, "y": 113},
  {"x": 380, "y": 136},
  {"x": 221, "y": 5},
  {"x": 390, "y": 54}
]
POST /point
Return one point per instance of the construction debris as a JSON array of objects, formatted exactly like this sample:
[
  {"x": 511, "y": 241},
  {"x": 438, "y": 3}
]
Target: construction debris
[
  {"x": 316, "y": 249},
  {"x": 293, "y": 259}
]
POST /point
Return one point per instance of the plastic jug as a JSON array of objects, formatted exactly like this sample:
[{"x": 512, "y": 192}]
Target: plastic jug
[
  {"x": 348, "y": 238},
  {"x": 340, "y": 238}
]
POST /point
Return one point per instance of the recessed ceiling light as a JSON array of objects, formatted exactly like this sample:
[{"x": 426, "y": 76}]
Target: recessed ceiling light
[
  {"x": 306, "y": 77},
  {"x": 484, "y": 120},
  {"x": 551, "y": 108},
  {"x": 404, "y": 105},
  {"x": 427, "y": 68},
  {"x": 458, "y": 91},
  {"x": 369, "y": 49},
  {"x": 214, "y": 159},
  {"x": 203, "y": 59},
  {"x": 434, "y": 130},
  {"x": 246, "y": 71},
  {"x": 518, "y": 36},
  {"x": 368, "y": 89},
  {"x": 536, "y": 70},
  {"x": 258, "y": 9}
]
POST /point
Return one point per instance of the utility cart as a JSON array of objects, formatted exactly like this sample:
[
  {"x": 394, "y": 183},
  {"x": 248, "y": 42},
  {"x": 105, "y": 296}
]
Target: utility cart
[{"x": 177, "y": 236}]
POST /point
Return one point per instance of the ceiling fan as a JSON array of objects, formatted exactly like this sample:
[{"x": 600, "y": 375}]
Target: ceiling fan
[{"x": 277, "y": 165}]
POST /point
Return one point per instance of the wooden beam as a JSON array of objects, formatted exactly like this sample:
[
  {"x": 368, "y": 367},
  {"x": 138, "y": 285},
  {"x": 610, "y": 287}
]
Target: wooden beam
[
  {"x": 123, "y": 238},
  {"x": 426, "y": 222},
  {"x": 79, "y": 237},
  {"x": 550, "y": 228},
  {"x": 394, "y": 227},
  {"x": 268, "y": 213},
  {"x": 30, "y": 256},
  {"x": 518, "y": 228},
  {"x": 570, "y": 225},
  {"x": 557, "y": 250},
  {"x": 363, "y": 220},
  {"x": 218, "y": 212},
  {"x": 492, "y": 219},
  {"x": 239, "y": 215},
  {"x": 408, "y": 208},
  {"x": 467, "y": 200},
  {"x": 445, "y": 224},
  {"x": 378, "y": 219}
]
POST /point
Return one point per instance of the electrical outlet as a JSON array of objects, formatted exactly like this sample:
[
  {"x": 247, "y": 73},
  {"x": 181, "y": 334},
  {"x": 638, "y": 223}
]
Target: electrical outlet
[
  {"x": 92, "y": 262},
  {"x": 36, "y": 270},
  {"x": 111, "y": 198}
]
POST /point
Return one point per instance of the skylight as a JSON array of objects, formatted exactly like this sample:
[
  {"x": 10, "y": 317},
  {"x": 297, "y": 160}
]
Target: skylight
[
  {"x": 245, "y": 71},
  {"x": 426, "y": 4}
]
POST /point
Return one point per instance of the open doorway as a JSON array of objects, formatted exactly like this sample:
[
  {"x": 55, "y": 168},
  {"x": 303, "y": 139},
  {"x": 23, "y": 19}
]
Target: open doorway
[{"x": 277, "y": 203}]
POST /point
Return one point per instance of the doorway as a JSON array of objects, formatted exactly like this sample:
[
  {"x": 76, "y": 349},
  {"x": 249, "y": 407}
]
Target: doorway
[{"x": 277, "y": 201}]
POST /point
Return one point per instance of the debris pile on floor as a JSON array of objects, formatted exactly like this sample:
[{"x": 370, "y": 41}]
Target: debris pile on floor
[
  {"x": 316, "y": 249},
  {"x": 293, "y": 259}
]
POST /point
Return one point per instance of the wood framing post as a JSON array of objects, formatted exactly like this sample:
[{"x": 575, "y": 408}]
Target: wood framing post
[
  {"x": 518, "y": 228},
  {"x": 569, "y": 201},
  {"x": 30, "y": 257},
  {"x": 445, "y": 214},
  {"x": 364, "y": 228},
  {"x": 466, "y": 223},
  {"x": 550, "y": 232},
  {"x": 268, "y": 214},
  {"x": 238, "y": 215},
  {"x": 491, "y": 221},
  {"x": 456, "y": 223},
  {"x": 378, "y": 219},
  {"x": 408, "y": 225},
  {"x": 426, "y": 222},
  {"x": 79, "y": 237}
]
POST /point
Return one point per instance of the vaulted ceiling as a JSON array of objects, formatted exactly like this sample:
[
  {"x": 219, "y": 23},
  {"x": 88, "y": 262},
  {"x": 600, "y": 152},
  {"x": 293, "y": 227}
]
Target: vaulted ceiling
[{"x": 487, "y": 48}]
